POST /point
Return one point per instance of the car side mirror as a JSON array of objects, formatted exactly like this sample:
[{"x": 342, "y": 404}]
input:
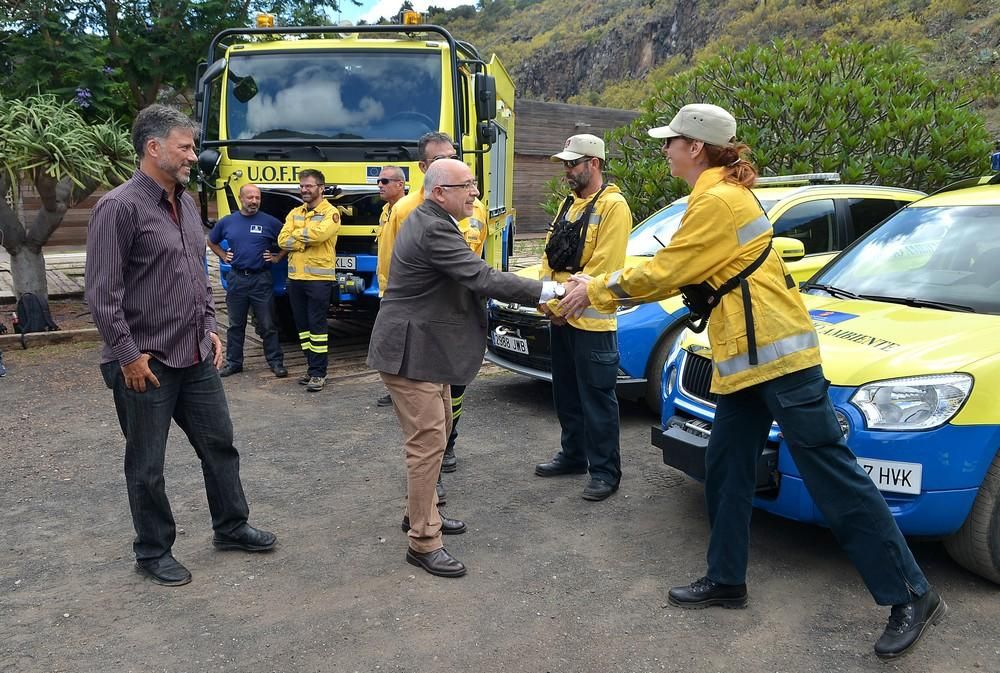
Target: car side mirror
[{"x": 790, "y": 249}]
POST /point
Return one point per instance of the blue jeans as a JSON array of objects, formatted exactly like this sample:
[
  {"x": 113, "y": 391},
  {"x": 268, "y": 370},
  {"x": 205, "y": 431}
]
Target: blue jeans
[
  {"x": 194, "y": 398},
  {"x": 584, "y": 375},
  {"x": 242, "y": 293},
  {"x": 853, "y": 508}
]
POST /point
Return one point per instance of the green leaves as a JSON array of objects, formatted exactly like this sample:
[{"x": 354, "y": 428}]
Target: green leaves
[
  {"x": 43, "y": 139},
  {"x": 871, "y": 113}
]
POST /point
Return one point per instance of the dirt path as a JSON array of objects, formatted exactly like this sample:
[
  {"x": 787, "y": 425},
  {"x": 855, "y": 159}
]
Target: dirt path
[{"x": 555, "y": 583}]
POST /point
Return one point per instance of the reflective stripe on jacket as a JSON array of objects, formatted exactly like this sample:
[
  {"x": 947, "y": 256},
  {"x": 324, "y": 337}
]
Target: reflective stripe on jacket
[
  {"x": 603, "y": 252},
  {"x": 722, "y": 232},
  {"x": 310, "y": 236}
]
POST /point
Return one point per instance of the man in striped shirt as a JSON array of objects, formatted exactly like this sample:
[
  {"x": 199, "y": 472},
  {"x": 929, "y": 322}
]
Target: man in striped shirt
[{"x": 148, "y": 292}]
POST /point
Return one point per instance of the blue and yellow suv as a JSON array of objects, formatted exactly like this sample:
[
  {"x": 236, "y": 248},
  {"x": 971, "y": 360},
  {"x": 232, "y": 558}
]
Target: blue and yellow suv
[
  {"x": 813, "y": 218},
  {"x": 908, "y": 319}
]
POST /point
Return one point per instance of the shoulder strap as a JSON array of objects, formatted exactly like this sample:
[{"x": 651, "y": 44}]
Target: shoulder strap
[{"x": 584, "y": 223}]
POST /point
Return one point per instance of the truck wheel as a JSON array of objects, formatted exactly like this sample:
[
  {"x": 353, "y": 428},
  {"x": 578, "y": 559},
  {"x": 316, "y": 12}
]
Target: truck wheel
[
  {"x": 654, "y": 372},
  {"x": 976, "y": 545},
  {"x": 284, "y": 320}
]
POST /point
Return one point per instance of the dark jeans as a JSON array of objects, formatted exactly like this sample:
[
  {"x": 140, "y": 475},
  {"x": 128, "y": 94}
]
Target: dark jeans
[
  {"x": 310, "y": 300},
  {"x": 457, "y": 400},
  {"x": 853, "y": 508},
  {"x": 584, "y": 374},
  {"x": 242, "y": 293},
  {"x": 194, "y": 398}
]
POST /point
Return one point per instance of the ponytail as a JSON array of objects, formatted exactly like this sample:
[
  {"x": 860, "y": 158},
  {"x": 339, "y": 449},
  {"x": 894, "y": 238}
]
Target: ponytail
[{"x": 735, "y": 159}]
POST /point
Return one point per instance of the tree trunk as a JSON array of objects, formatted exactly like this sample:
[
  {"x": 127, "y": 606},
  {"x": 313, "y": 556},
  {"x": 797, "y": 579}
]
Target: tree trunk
[{"x": 27, "y": 266}]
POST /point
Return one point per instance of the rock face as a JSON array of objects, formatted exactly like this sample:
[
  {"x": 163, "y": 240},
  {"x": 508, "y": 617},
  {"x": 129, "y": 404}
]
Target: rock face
[{"x": 626, "y": 52}]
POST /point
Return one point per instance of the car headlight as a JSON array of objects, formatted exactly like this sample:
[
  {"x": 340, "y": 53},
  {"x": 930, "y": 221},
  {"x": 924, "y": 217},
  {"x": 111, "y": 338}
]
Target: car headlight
[{"x": 913, "y": 403}]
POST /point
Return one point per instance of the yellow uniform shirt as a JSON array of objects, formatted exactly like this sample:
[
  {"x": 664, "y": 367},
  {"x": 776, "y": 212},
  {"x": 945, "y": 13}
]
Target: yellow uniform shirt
[{"x": 310, "y": 237}]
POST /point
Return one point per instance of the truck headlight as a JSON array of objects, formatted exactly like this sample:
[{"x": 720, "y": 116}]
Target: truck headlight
[{"x": 913, "y": 403}]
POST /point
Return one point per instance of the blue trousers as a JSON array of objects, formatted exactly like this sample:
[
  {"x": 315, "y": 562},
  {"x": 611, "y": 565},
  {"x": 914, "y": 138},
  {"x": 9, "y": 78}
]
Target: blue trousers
[
  {"x": 310, "y": 301},
  {"x": 584, "y": 374},
  {"x": 242, "y": 293},
  {"x": 194, "y": 398},
  {"x": 853, "y": 508}
]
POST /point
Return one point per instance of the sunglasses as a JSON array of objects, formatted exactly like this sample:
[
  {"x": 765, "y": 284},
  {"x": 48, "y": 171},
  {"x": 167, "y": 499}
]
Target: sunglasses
[
  {"x": 575, "y": 162},
  {"x": 385, "y": 181}
]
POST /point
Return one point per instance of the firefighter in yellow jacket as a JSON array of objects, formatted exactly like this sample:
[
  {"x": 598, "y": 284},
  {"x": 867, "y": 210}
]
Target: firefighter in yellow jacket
[
  {"x": 589, "y": 234},
  {"x": 310, "y": 237},
  {"x": 766, "y": 367}
]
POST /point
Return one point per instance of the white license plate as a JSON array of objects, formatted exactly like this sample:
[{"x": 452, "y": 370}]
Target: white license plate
[
  {"x": 350, "y": 263},
  {"x": 510, "y": 343},
  {"x": 893, "y": 476}
]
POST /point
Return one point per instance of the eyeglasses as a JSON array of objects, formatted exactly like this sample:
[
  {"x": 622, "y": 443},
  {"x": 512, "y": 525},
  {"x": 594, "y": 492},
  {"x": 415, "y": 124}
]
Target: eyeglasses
[
  {"x": 575, "y": 162},
  {"x": 385, "y": 181},
  {"x": 443, "y": 156},
  {"x": 467, "y": 186}
]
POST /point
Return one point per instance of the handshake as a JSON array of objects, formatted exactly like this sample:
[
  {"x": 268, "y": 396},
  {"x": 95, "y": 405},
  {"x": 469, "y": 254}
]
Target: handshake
[{"x": 573, "y": 299}]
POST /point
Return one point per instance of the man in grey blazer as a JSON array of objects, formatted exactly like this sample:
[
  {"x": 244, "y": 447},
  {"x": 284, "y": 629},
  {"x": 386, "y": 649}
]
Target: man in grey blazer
[{"x": 430, "y": 333}]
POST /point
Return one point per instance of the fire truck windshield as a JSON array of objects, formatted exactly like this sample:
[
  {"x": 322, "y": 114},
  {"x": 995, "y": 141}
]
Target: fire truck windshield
[{"x": 339, "y": 95}]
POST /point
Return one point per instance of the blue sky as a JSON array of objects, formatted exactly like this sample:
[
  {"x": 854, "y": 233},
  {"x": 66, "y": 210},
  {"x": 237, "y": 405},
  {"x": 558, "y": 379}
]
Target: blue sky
[{"x": 371, "y": 10}]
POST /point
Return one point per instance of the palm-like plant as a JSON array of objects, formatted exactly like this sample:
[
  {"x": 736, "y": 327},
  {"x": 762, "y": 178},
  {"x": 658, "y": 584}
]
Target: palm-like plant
[{"x": 47, "y": 143}]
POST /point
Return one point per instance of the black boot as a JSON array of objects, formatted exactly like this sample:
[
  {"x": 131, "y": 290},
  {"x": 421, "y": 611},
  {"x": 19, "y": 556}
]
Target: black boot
[
  {"x": 440, "y": 491},
  {"x": 703, "y": 593},
  {"x": 449, "y": 463},
  {"x": 908, "y": 622}
]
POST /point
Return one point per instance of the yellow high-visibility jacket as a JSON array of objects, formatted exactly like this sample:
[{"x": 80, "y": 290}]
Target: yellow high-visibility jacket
[
  {"x": 603, "y": 252},
  {"x": 310, "y": 236},
  {"x": 473, "y": 228},
  {"x": 722, "y": 232}
]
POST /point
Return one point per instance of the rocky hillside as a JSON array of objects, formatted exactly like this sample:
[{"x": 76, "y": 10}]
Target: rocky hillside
[{"x": 608, "y": 52}]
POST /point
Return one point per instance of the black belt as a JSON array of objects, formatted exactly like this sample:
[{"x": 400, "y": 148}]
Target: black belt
[{"x": 247, "y": 272}]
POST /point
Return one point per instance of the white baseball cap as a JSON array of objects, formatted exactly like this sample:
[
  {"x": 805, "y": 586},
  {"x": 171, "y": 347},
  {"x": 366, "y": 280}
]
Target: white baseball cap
[
  {"x": 700, "y": 121},
  {"x": 583, "y": 145}
]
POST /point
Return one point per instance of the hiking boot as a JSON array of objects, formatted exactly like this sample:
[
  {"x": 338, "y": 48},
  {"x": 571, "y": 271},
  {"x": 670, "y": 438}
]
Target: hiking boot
[
  {"x": 907, "y": 624},
  {"x": 304, "y": 380},
  {"x": 449, "y": 463},
  {"x": 230, "y": 369},
  {"x": 316, "y": 384}
]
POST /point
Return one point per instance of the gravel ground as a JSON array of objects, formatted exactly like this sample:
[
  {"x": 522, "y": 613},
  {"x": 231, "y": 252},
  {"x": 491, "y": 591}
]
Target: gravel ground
[{"x": 555, "y": 583}]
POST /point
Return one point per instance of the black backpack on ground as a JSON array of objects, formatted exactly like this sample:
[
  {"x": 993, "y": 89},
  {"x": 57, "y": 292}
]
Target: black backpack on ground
[{"x": 33, "y": 316}]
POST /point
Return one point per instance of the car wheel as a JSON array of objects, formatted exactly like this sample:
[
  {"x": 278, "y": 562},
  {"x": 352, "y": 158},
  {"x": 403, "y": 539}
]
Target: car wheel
[
  {"x": 654, "y": 371},
  {"x": 976, "y": 545}
]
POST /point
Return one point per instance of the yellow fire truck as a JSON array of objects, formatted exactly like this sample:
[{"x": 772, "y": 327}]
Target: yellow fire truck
[{"x": 347, "y": 100}]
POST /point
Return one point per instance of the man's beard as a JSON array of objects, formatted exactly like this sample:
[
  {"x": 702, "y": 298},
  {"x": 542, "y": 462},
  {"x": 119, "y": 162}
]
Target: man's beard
[{"x": 580, "y": 181}]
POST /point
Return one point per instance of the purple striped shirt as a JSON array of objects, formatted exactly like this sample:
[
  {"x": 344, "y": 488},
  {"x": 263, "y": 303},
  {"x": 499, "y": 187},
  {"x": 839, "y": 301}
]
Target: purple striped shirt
[{"x": 146, "y": 281}]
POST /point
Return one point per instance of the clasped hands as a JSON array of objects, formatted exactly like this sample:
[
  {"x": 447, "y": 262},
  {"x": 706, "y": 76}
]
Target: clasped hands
[{"x": 573, "y": 303}]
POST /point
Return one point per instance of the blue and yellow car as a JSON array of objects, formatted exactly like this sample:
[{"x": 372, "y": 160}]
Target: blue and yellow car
[
  {"x": 908, "y": 319},
  {"x": 813, "y": 216}
]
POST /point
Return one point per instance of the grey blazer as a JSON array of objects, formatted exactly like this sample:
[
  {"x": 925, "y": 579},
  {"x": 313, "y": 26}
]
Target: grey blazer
[{"x": 432, "y": 322}]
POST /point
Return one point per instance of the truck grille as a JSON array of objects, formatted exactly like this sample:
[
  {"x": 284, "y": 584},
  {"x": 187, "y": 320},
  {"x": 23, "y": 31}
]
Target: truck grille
[{"x": 696, "y": 378}]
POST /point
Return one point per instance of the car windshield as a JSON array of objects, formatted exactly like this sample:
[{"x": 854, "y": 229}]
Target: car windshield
[
  {"x": 656, "y": 230},
  {"x": 342, "y": 95},
  {"x": 941, "y": 257}
]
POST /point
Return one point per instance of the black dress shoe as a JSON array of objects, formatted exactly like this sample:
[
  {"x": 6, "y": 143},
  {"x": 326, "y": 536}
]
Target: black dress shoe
[
  {"x": 384, "y": 401},
  {"x": 165, "y": 570},
  {"x": 229, "y": 370},
  {"x": 279, "y": 371},
  {"x": 246, "y": 538},
  {"x": 449, "y": 463},
  {"x": 440, "y": 492},
  {"x": 438, "y": 562},
  {"x": 598, "y": 490},
  {"x": 908, "y": 622},
  {"x": 448, "y": 526},
  {"x": 703, "y": 593},
  {"x": 557, "y": 468}
]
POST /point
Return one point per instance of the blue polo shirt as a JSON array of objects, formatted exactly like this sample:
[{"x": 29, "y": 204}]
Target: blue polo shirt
[{"x": 248, "y": 238}]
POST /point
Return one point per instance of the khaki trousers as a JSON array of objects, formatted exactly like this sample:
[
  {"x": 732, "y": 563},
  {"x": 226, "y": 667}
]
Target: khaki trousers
[{"x": 424, "y": 413}]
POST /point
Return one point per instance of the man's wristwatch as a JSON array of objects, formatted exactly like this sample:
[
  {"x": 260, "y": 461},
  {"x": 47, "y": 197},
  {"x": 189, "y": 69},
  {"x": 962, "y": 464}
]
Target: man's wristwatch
[{"x": 560, "y": 290}]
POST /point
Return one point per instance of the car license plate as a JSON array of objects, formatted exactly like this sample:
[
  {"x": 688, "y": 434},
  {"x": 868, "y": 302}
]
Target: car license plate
[
  {"x": 350, "y": 263},
  {"x": 510, "y": 343},
  {"x": 892, "y": 476}
]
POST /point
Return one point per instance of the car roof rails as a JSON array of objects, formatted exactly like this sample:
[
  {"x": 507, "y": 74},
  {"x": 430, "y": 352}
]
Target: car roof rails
[{"x": 798, "y": 179}]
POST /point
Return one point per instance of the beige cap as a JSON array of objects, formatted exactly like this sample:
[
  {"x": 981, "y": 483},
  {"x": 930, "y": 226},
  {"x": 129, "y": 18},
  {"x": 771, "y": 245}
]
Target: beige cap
[
  {"x": 583, "y": 145},
  {"x": 708, "y": 123}
]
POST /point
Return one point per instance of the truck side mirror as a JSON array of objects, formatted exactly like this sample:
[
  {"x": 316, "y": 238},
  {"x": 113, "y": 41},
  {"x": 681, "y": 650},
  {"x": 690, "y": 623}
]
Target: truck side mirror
[
  {"x": 208, "y": 162},
  {"x": 486, "y": 134},
  {"x": 790, "y": 249},
  {"x": 245, "y": 89},
  {"x": 486, "y": 97}
]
